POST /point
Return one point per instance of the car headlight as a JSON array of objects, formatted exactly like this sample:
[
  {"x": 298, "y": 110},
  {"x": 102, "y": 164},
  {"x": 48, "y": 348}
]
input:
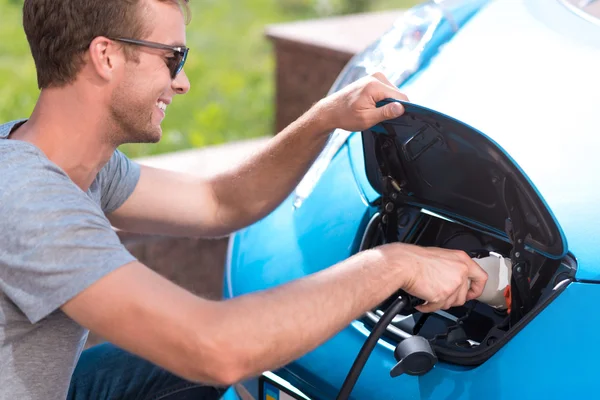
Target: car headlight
[{"x": 397, "y": 54}]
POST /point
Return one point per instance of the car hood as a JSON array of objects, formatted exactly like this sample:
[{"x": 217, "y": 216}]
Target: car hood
[
  {"x": 526, "y": 74},
  {"x": 431, "y": 160}
]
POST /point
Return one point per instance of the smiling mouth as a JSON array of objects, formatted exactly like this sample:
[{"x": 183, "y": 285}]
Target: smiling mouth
[{"x": 162, "y": 106}]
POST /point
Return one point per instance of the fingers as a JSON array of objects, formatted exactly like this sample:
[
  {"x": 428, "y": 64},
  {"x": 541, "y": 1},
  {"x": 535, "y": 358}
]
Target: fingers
[
  {"x": 429, "y": 307},
  {"x": 462, "y": 293},
  {"x": 463, "y": 271},
  {"x": 389, "y": 111},
  {"x": 475, "y": 290},
  {"x": 354, "y": 107},
  {"x": 383, "y": 79},
  {"x": 386, "y": 92},
  {"x": 459, "y": 297},
  {"x": 449, "y": 279},
  {"x": 441, "y": 300},
  {"x": 386, "y": 89},
  {"x": 454, "y": 300},
  {"x": 450, "y": 302},
  {"x": 478, "y": 279}
]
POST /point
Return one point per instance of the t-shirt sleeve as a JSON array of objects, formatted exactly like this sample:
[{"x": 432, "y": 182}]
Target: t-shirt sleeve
[
  {"x": 54, "y": 240},
  {"x": 117, "y": 180}
]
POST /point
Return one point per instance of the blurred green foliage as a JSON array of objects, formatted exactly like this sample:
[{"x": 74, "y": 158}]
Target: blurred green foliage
[{"x": 230, "y": 67}]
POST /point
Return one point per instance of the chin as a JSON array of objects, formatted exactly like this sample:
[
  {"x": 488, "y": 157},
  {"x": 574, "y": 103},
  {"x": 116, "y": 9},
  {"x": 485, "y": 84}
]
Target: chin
[
  {"x": 154, "y": 136},
  {"x": 146, "y": 136}
]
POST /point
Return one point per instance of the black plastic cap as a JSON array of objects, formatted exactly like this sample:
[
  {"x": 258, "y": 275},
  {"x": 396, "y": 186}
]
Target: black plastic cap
[{"x": 415, "y": 357}]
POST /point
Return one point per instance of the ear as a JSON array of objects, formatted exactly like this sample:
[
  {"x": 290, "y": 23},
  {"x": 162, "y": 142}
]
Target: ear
[{"x": 106, "y": 57}]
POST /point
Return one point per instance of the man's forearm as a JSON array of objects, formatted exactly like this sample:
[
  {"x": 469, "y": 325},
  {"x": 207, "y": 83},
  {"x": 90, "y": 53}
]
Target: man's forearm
[
  {"x": 225, "y": 341},
  {"x": 253, "y": 189},
  {"x": 265, "y": 330}
]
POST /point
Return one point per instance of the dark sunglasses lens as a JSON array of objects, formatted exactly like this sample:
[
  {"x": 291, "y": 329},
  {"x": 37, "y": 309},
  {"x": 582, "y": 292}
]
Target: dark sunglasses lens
[
  {"x": 173, "y": 64},
  {"x": 176, "y": 63}
]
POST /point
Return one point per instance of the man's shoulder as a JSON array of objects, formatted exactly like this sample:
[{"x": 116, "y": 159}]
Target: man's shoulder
[
  {"x": 15, "y": 153},
  {"x": 6, "y": 127},
  {"x": 22, "y": 158},
  {"x": 26, "y": 175}
]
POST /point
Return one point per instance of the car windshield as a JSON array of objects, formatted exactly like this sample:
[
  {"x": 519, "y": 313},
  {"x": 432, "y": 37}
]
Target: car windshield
[{"x": 585, "y": 8}]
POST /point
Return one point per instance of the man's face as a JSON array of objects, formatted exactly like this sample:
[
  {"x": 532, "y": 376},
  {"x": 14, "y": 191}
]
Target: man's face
[{"x": 139, "y": 99}]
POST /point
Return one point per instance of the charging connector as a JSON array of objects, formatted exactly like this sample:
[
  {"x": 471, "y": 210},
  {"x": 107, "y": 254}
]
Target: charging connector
[{"x": 497, "y": 287}]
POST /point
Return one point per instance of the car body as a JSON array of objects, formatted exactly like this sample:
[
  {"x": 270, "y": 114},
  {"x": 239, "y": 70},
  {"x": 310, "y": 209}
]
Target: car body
[{"x": 522, "y": 78}]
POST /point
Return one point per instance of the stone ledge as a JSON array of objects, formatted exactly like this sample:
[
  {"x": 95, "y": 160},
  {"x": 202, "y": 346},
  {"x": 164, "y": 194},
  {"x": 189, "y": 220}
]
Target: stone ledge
[
  {"x": 343, "y": 36},
  {"x": 206, "y": 161}
]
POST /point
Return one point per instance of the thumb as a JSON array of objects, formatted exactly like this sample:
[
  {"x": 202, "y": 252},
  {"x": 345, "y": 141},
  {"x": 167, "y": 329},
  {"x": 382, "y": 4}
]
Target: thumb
[{"x": 390, "y": 111}]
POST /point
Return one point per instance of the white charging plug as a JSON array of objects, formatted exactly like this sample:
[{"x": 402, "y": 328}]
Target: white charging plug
[{"x": 499, "y": 270}]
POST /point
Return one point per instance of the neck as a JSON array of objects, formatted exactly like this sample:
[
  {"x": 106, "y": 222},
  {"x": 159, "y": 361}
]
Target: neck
[{"x": 71, "y": 132}]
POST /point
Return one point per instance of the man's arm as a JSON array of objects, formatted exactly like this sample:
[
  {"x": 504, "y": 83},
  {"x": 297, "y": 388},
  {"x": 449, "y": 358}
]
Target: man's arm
[
  {"x": 177, "y": 204},
  {"x": 227, "y": 341}
]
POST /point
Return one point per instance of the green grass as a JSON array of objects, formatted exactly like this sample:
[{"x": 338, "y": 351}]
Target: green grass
[{"x": 230, "y": 67}]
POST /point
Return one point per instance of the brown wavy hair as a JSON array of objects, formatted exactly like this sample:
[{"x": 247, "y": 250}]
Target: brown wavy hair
[{"x": 59, "y": 32}]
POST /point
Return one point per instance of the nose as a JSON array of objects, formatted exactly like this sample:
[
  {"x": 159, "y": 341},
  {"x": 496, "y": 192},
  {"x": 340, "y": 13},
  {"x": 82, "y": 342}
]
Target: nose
[{"x": 181, "y": 83}]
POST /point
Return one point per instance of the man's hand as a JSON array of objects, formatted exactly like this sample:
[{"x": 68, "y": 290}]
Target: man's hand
[
  {"x": 354, "y": 108},
  {"x": 443, "y": 278}
]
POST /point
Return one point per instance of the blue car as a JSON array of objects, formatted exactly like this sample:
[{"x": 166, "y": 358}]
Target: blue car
[{"x": 496, "y": 155}]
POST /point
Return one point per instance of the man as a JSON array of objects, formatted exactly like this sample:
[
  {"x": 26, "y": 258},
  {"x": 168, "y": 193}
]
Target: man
[{"x": 107, "y": 72}]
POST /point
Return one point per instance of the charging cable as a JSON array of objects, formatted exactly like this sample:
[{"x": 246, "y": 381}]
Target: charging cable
[{"x": 398, "y": 305}]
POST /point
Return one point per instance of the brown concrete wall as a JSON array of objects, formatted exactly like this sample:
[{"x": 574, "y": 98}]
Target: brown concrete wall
[{"x": 194, "y": 264}]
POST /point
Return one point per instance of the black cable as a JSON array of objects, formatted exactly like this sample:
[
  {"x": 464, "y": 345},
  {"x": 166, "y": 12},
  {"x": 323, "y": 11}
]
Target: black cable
[{"x": 369, "y": 345}]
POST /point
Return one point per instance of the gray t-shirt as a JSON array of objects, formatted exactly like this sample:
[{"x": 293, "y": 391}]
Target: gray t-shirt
[{"x": 55, "y": 241}]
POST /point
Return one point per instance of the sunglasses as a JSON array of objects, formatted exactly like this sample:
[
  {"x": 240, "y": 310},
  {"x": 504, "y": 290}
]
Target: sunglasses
[{"x": 175, "y": 63}]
